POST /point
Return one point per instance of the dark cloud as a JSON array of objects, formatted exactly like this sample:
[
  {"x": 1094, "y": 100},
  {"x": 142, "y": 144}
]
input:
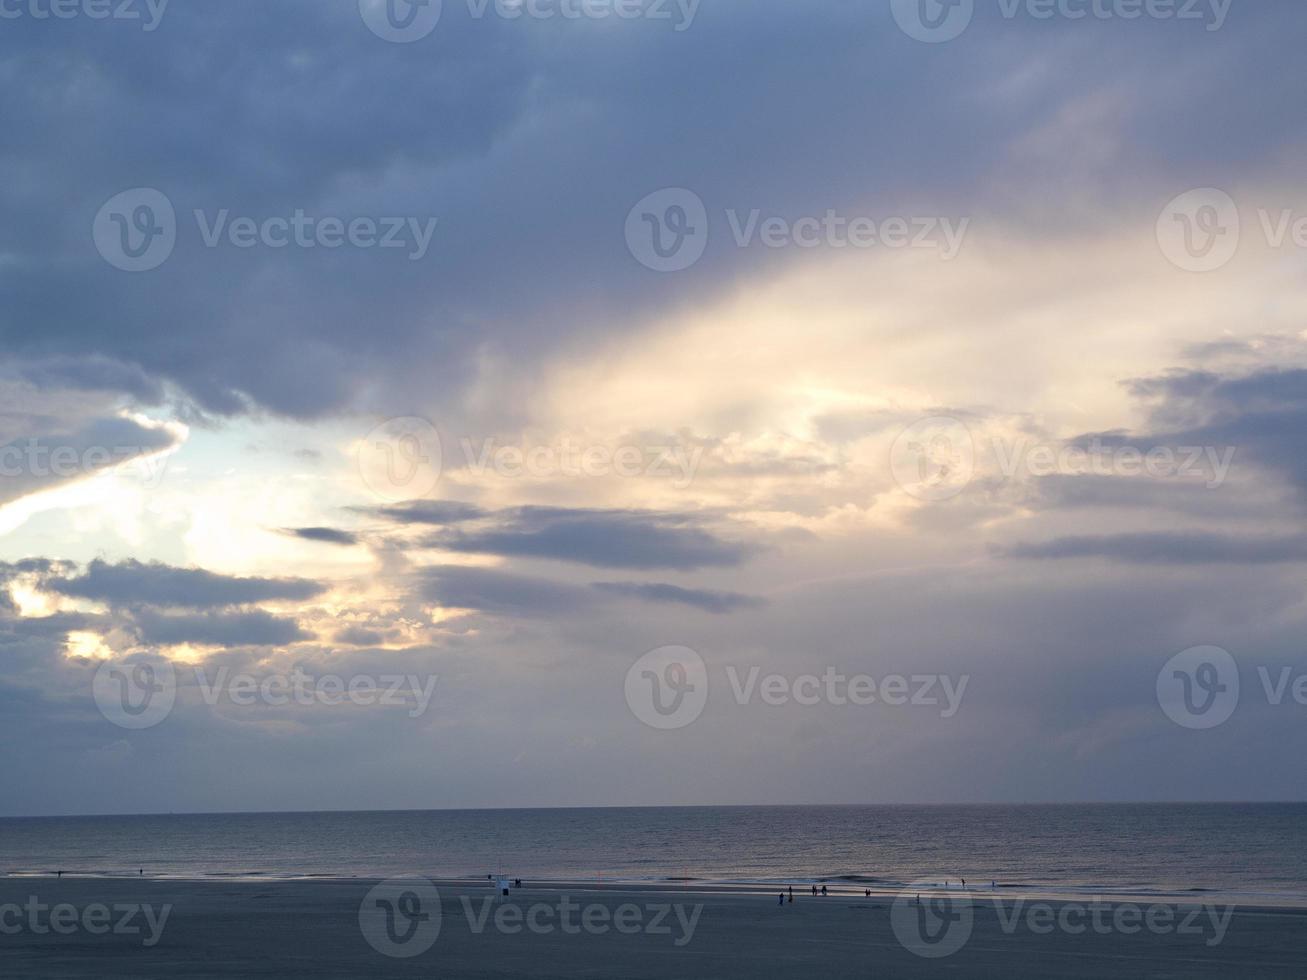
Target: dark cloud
[
  {"x": 325, "y": 535},
  {"x": 1169, "y": 548},
  {"x": 599, "y": 538},
  {"x": 226, "y": 629},
  {"x": 503, "y": 593},
  {"x": 494, "y": 134},
  {"x": 92, "y": 373},
  {"x": 434, "y": 512},
  {"x": 360, "y": 636},
  {"x": 704, "y": 599},
  {"x": 133, "y": 582},
  {"x": 1262, "y": 414},
  {"x": 47, "y": 459}
]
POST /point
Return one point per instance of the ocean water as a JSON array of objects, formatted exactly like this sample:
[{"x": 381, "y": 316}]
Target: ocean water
[{"x": 1245, "y": 850}]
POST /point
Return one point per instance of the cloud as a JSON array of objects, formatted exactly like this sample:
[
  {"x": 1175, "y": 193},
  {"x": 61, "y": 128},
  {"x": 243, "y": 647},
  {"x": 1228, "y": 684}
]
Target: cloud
[
  {"x": 599, "y": 538},
  {"x": 131, "y": 582},
  {"x": 437, "y": 512},
  {"x": 360, "y": 636},
  {"x": 504, "y": 593},
  {"x": 509, "y": 110},
  {"x": 224, "y": 629},
  {"x": 42, "y": 460},
  {"x": 704, "y": 599},
  {"x": 325, "y": 535},
  {"x": 1169, "y": 548}
]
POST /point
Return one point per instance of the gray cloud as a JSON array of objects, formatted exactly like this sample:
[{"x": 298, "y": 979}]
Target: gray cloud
[
  {"x": 503, "y": 593},
  {"x": 707, "y": 600},
  {"x": 45, "y": 459},
  {"x": 434, "y": 512},
  {"x": 360, "y": 636},
  {"x": 227, "y": 629},
  {"x": 1262, "y": 413},
  {"x": 324, "y": 535},
  {"x": 600, "y": 538},
  {"x": 495, "y": 117},
  {"x": 132, "y": 582},
  {"x": 1170, "y": 548}
]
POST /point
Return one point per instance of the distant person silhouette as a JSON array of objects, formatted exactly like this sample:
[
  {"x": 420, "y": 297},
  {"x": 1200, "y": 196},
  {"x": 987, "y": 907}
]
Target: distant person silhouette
[
  {"x": 814, "y": 889},
  {"x": 823, "y": 891},
  {"x": 791, "y": 893},
  {"x": 780, "y": 899}
]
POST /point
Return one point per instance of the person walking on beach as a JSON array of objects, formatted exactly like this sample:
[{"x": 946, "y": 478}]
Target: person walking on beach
[
  {"x": 791, "y": 894},
  {"x": 823, "y": 891},
  {"x": 781, "y": 898},
  {"x": 814, "y": 890}
]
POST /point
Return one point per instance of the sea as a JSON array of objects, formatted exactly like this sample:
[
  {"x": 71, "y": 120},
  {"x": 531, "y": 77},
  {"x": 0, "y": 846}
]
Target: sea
[{"x": 1248, "y": 851}]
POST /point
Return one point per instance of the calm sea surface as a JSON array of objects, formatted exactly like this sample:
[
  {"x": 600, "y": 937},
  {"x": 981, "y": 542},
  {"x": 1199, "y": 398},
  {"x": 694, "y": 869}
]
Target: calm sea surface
[{"x": 1241, "y": 849}]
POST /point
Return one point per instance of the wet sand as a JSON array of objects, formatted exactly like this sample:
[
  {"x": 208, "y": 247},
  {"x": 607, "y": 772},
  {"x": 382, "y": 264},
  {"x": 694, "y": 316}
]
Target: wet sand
[{"x": 116, "y": 928}]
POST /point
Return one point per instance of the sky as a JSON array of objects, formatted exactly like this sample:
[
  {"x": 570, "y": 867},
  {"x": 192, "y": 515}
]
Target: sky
[{"x": 641, "y": 402}]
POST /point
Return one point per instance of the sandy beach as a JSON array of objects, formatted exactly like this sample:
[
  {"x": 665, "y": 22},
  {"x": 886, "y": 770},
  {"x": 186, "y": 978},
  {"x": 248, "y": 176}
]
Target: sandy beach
[{"x": 111, "y": 928}]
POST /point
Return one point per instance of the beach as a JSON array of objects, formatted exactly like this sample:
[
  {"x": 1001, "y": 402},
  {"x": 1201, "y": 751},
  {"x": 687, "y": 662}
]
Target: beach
[{"x": 119, "y": 928}]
